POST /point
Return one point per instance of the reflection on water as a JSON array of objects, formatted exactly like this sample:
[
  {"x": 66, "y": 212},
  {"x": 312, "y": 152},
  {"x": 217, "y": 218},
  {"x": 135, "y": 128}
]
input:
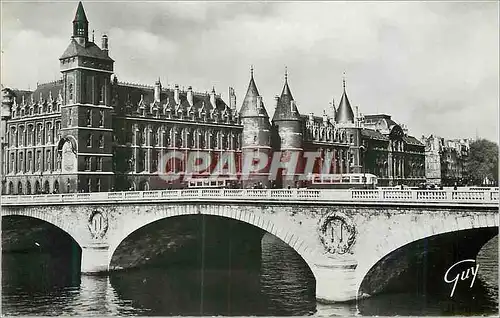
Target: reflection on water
[{"x": 36, "y": 283}]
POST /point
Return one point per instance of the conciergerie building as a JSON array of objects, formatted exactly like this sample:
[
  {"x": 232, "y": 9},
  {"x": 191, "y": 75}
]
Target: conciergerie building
[{"x": 89, "y": 132}]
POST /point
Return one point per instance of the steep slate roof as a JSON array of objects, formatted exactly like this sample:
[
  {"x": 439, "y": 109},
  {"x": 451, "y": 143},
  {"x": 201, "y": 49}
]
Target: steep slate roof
[
  {"x": 80, "y": 14},
  {"x": 373, "y": 134},
  {"x": 249, "y": 108},
  {"x": 284, "y": 108},
  {"x": 344, "y": 111},
  {"x": 45, "y": 89},
  {"x": 89, "y": 50},
  {"x": 126, "y": 93},
  {"x": 382, "y": 121},
  {"x": 412, "y": 141}
]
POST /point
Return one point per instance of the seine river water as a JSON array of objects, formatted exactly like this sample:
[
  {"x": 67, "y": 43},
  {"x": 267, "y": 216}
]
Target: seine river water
[{"x": 36, "y": 284}]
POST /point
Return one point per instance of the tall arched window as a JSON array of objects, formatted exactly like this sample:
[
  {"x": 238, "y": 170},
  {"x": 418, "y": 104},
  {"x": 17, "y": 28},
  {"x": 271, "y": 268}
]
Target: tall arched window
[
  {"x": 21, "y": 162},
  {"x": 101, "y": 93},
  {"x": 70, "y": 91},
  {"x": 101, "y": 118},
  {"x": 145, "y": 136},
  {"x": 89, "y": 117},
  {"x": 39, "y": 134}
]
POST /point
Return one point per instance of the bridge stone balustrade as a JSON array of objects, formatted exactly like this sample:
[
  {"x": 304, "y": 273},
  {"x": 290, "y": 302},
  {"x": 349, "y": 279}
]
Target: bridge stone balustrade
[
  {"x": 380, "y": 196},
  {"x": 340, "y": 234}
]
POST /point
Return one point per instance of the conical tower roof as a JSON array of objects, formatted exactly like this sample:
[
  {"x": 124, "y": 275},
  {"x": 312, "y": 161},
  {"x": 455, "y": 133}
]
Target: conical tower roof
[
  {"x": 80, "y": 14},
  {"x": 344, "y": 112},
  {"x": 285, "y": 107},
  {"x": 252, "y": 103}
]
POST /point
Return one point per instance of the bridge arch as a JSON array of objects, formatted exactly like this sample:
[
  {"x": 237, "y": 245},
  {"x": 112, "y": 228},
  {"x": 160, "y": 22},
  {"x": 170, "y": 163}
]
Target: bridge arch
[
  {"x": 398, "y": 239},
  {"x": 60, "y": 223},
  {"x": 260, "y": 221}
]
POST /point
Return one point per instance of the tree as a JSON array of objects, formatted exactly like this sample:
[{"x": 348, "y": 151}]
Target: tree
[{"x": 482, "y": 162}]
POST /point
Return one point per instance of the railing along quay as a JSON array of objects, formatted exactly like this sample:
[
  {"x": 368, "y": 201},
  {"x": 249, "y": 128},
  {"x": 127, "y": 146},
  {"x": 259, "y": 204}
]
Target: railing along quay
[{"x": 377, "y": 196}]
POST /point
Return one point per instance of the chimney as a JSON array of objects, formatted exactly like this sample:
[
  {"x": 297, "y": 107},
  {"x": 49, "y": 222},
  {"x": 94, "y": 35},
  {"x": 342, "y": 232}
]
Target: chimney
[
  {"x": 325, "y": 118},
  {"x": 276, "y": 100},
  {"x": 311, "y": 117},
  {"x": 190, "y": 96},
  {"x": 212, "y": 98},
  {"x": 157, "y": 91},
  {"x": 176, "y": 95},
  {"x": 104, "y": 43}
]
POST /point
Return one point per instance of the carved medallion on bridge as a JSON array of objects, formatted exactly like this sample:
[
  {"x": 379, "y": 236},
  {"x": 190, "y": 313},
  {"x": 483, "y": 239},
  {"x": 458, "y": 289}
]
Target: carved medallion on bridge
[
  {"x": 98, "y": 224},
  {"x": 337, "y": 233}
]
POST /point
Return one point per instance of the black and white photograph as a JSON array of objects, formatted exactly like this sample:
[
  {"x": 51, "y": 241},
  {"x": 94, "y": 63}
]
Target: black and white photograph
[{"x": 249, "y": 158}]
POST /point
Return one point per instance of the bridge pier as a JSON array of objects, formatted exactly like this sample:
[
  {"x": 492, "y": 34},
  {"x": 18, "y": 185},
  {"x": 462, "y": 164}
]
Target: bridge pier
[
  {"x": 335, "y": 282},
  {"x": 95, "y": 259}
]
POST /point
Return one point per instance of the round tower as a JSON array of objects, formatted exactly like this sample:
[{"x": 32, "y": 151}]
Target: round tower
[
  {"x": 288, "y": 125},
  {"x": 346, "y": 121},
  {"x": 255, "y": 139}
]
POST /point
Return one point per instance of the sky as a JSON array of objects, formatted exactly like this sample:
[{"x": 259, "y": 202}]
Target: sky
[{"x": 433, "y": 66}]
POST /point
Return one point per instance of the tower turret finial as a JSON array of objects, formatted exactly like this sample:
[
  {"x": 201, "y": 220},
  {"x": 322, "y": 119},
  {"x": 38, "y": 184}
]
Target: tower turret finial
[
  {"x": 80, "y": 25},
  {"x": 343, "y": 80},
  {"x": 92, "y": 35},
  {"x": 286, "y": 73},
  {"x": 251, "y": 71}
]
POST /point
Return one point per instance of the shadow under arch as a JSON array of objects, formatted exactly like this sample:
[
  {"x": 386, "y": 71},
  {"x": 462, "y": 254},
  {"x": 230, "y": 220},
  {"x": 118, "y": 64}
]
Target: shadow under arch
[
  {"x": 246, "y": 218},
  {"x": 38, "y": 255},
  {"x": 419, "y": 266},
  {"x": 236, "y": 284},
  {"x": 253, "y": 226}
]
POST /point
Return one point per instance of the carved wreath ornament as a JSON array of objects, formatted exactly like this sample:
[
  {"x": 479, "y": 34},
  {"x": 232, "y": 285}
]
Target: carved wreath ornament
[
  {"x": 98, "y": 224},
  {"x": 337, "y": 233}
]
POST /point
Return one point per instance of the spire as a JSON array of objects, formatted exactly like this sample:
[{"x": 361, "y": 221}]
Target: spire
[
  {"x": 80, "y": 25},
  {"x": 252, "y": 105},
  {"x": 80, "y": 14},
  {"x": 344, "y": 113},
  {"x": 286, "y": 109},
  {"x": 286, "y": 88}
]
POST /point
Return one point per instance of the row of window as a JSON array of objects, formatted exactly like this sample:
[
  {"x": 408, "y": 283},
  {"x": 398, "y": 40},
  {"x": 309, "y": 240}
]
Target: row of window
[
  {"x": 38, "y": 189},
  {"x": 90, "y": 141},
  {"x": 93, "y": 163},
  {"x": 183, "y": 114},
  {"x": 183, "y": 138},
  {"x": 90, "y": 185},
  {"x": 47, "y": 161},
  {"x": 37, "y": 109},
  {"x": 24, "y": 136},
  {"x": 326, "y": 134},
  {"x": 89, "y": 118},
  {"x": 101, "y": 91}
]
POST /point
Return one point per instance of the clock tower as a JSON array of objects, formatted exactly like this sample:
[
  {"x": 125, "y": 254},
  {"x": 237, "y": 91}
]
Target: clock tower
[{"x": 86, "y": 123}]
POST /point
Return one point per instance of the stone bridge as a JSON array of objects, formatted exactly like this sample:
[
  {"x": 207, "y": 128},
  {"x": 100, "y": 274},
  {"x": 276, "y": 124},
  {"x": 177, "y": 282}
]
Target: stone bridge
[{"x": 342, "y": 235}]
